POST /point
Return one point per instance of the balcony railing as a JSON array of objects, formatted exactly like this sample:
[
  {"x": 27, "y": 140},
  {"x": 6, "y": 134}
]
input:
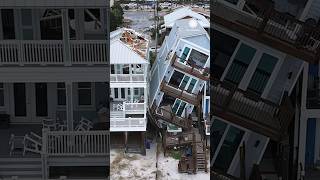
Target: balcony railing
[
  {"x": 278, "y": 30},
  {"x": 249, "y": 111},
  {"x": 52, "y": 52},
  {"x": 127, "y": 123},
  {"x": 189, "y": 97},
  {"x": 127, "y": 78},
  {"x": 170, "y": 117},
  {"x": 191, "y": 68},
  {"x": 76, "y": 143},
  {"x": 127, "y": 107}
]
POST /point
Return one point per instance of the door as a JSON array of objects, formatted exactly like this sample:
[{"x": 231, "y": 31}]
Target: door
[
  {"x": 30, "y": 102},
  {"x": 179, "y": 107},
  {"x": 119, "y": 94},
  {"x": 310, "y": 143},
  {"x": 21, "y": 103}
]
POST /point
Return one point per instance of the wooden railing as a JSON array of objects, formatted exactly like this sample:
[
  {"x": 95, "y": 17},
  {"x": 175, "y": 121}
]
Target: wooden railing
[
  {"x": 52, "y": 52},
  {"x": 191, "y": 68},
  {"x": 76, "y": 143},
  {"x": 127, "y": 78},
  {"x": 171, "y": 117},
  {"x": 182, "y": 94},
  {"x": 278, "y": 30},
  {"x": 250, "y": 111}
]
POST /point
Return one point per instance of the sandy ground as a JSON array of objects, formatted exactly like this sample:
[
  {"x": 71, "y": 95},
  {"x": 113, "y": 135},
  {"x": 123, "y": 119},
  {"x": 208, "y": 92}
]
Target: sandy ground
[
  {"x": 133, "y": 166},
  {"x": 137, "y": 167},
  {"x": 168, "y": 167}
]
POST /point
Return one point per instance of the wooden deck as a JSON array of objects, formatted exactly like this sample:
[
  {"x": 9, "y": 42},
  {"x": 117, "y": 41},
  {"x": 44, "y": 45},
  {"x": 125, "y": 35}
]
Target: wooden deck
[
  {"x": 192, "y": 69},
  {"x": 275, "y": 29},
  {"x": 251, "y": 112},
  {"x": 175, "y": 92},
  {"x": 167, "y": 115}
]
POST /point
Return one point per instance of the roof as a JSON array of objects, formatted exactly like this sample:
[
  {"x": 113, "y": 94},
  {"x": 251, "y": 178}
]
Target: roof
[
  {"x": 120, "y": 53},
  {"x": 183, "y": 13}
]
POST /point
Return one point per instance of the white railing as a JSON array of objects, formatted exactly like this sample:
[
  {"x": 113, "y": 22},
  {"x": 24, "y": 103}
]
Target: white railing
[
  {"x": 128, "y": 123},
  {"x": 76, "y": 143},
  {"x": 129, "y": 107},
  {"x": 127, "y": 78},
  {"x": 84, "y": 51},
  {"x": 52, "y": 52}
]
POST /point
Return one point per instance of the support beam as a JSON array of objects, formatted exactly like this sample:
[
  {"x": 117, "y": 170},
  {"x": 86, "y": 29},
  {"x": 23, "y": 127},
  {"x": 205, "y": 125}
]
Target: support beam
[
  {"x": 66, "y": 38},
  {"x": 69, "y": 105}
]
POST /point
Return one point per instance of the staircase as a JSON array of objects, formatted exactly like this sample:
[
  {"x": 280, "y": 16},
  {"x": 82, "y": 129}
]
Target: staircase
[
  {"x": 26, "y": 168},
  {"x": 201, "y": 157}
]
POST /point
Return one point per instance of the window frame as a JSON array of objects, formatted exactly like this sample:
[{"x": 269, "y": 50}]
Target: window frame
[{"x": 92, "y": 88}]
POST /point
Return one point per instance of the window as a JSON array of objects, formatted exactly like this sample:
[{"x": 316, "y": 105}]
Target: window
[
  {"x": 116, "y": 94},
  {"x": 1, "y": 94},
  {"x": 136, "y": 91},
  {"x": 84, "y": 94},
  {"x": 112, "y": 69},
  {"x": 197, "y": 58},
  {"x": 123, "y": 95},
  {"x": 240, "y": 64},
  {"x": 223, "y": 48},
  {"x": 8, "y": 24},
  {"x": 217, "y": 130},
  {"x": 184, "y": 54},
  {"x": 176, "y": 79},
  {"x": 178, "y": 107},
  {"x": 184, "y": 82},
  {"x": 228, "y": 149},
  {"x": 262, "y": 74},
  {"x": 61, "y": 94},
  {"x": 191, "y": 85}
]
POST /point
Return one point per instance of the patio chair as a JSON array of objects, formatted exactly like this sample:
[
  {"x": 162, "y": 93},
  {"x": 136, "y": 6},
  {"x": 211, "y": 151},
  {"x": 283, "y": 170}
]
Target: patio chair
[
  {"x": 52, "y": 125},
  {"x": 15, "y": 142},
  {"x": 32, "y": 143},
  {"x": 84, "y": 125}
]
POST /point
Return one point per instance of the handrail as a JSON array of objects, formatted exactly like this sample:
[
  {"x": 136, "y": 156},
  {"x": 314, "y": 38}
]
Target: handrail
[{"x": 76, "y": 143}]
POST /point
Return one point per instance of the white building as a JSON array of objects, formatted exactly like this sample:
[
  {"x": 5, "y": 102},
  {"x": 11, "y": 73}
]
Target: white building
[
  {"x": 53, "y": 61},
  {"x": 129, "y": 87},
  {"x": 260, "y": 70}
]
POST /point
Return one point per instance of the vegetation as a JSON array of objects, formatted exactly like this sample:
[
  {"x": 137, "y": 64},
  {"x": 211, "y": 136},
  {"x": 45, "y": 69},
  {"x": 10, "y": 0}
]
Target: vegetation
[
  {"x": 176, "y": 154},
  {"x": 152, "y": 57},
  {"x": 116, "y": 16}
]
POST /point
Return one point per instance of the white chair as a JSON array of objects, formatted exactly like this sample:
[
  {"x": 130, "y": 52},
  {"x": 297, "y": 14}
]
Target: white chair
[
  {"x": 84, "y": 125},
  {"x": 32, "y": 143},
  {"x": 15, "y": 142},
  {"x": 52, "y": 125}
]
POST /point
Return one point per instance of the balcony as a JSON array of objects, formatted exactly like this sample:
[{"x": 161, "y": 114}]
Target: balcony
[
  {"x": 249, "y": 111},
  {"x": 191, "y": 68},
  {"x": 167, "y": 115},
  {"x": 52, "y": 52},
  {"x": 127, "y": 78},
  {"x": 175, "y": 92},
  {"x": 277, "y": 30}
]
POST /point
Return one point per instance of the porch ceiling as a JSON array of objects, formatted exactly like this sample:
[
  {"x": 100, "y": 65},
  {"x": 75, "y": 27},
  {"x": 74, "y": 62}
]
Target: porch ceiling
[{"x": 54, "y": 74}]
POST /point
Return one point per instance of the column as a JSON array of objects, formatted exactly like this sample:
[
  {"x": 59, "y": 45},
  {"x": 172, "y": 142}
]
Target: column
[
  {"x": 69, "y": 105},
  {"x": 66, "y": 39}
]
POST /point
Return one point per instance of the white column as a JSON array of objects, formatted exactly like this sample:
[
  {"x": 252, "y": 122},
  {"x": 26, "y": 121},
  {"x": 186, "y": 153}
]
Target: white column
[
  {"x": 303, "y": 123},
  {"x": 79, "y": 19},
  {"x": 145, "y": 98},
  {"x": 66, "y": 39},
  {"x": 69, "y": 105}
]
